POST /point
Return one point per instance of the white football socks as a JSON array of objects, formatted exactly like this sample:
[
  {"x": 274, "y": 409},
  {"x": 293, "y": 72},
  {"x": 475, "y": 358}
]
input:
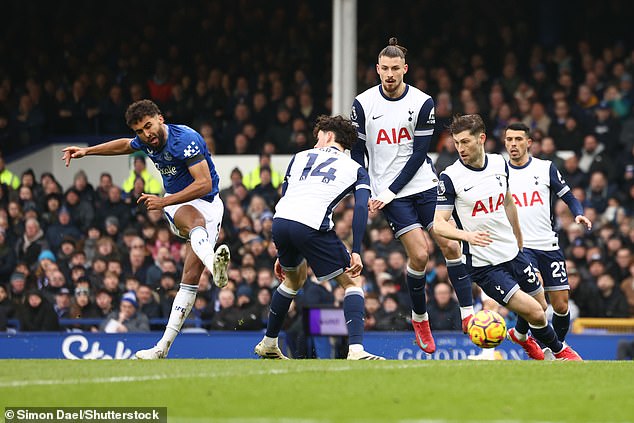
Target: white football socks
[
  {"x": 466, "y": 311},
  {"x": 419, "y": 317},
  {"x": 202, "y": 247},
  {"x": 183, "y": 303}
]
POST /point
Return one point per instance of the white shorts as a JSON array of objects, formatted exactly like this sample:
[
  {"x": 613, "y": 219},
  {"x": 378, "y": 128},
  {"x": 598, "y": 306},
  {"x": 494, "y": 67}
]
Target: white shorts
[{"x": 212, "y": 212}]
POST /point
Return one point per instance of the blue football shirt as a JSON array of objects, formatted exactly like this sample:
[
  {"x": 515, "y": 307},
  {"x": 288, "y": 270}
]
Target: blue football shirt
[{"x": 184, "y": 148}]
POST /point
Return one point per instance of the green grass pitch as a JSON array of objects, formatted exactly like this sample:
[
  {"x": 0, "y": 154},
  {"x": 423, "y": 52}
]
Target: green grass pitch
[{"x": 331, "y": 390}]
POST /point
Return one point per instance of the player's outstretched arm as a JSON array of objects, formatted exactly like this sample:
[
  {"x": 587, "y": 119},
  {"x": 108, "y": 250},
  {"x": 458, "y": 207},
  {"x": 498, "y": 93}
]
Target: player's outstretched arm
[{"x": 110, "y": 148}]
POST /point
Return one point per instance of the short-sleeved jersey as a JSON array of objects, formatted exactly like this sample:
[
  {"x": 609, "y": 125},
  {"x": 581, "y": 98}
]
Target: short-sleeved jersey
[
  {"x": 387, "y": 127},
  {"x": 535, "y": 187},
  {"x": 476, "y": 197},
  {"x": 316, "y": 181},
  {"x": 184, "y": 148}
]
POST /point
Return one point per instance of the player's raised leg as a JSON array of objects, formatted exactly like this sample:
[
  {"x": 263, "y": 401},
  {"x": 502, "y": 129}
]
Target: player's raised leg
[
  {"x": 202, "y": 224},
  {"x": 416, "y": 247}
]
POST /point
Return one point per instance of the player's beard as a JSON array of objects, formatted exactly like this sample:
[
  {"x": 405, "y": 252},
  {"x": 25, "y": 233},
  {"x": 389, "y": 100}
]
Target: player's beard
[
  {"x": 393, "y": 87},
  {"x": 162, "y": 139}
]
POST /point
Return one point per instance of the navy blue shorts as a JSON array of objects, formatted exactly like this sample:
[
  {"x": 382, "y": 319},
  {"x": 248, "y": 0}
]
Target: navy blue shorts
[
  {"x": 324, "y": 251},
  {"x": 552, "y": 266},
  {"x": 502, "y": 280},
  {"x": 413, "y": 211}
]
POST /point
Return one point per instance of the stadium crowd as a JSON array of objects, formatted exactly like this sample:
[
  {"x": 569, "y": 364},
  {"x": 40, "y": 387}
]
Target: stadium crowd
[{"x": 88, "y": 250}]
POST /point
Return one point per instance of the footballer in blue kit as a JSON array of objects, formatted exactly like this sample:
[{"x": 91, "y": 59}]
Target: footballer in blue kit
[{"x": 191, "y": 202}]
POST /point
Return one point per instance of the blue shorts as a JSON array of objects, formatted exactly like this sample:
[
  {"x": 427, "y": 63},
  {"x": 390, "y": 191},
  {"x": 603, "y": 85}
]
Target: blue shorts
[
  {"x": 413, "y": 211},
  {"x": 552, "y": 266},
  {"x": 502, "y": 280},
  {"x": 324, "y": 251}
]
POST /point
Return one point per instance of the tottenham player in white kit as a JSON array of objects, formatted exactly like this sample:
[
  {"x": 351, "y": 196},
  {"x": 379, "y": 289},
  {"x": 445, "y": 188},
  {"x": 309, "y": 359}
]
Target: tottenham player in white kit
[
  {"x": 395, "y": 124},
  {"x": 315, "y": 182},
  {"x": 191, "y": 203},
  {"x": 475, "y": 190},
  {"x": 535, "y": 185}
]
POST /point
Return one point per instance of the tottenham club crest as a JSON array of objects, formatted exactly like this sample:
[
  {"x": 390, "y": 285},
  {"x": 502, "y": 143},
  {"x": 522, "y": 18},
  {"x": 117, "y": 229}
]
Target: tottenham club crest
[
  {"x": 353, "y": 113},
  {"x": 441, "y": 188}
]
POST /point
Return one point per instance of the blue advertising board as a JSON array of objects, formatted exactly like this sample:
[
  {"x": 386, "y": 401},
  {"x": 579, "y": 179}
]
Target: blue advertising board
[{"x": 392, "y": 345}]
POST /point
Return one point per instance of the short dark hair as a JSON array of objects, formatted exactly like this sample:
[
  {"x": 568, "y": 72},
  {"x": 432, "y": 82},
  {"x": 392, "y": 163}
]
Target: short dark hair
[
  {"x": 344, "y": 130},
  {"x": 472, "y": 123},
  {"x": 518, "y": 126},
  {"x": 393, "y": 49},
  {"x": 140, "y": 109}
]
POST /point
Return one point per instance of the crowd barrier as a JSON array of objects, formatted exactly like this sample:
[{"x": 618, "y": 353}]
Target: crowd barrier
[{"x": 216, "y": 344}]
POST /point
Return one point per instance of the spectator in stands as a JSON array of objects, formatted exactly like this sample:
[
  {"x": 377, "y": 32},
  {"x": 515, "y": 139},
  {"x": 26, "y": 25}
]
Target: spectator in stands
[
  {"x": 32, "y": 243},
  {"x": 252, "y": 179},
  {"x": 83, "y": 308},
  {"x": 62, "y": 229},
  {"x": 62, "y": 303},
  {"x": 599, "y": 191},
  {"x": 281, "y": 130},
  {"x": 82, "y": 213},
  {"x": 606, "y": 128},
  {"x": 612, "y": 300},
  {"x": 148, "y": 302},
  {"x": 574, "y": 176},
  {"x": 444, "y": 311},
  {"x": 228, "y": 316},
  {"x": 103, "y": 189},
  {"x": 112, "y": 285},
  {"x": 390, "y": 317},
  {"x": 115, "y": 207},
  {"x": 593, "y": 157},
  {"x": 37, "y": 314},
  {"x": 372, "y": 306},
  {"x": 265, "y": 188},
  {"x": 136, "y": 265},
  {"x": 127, "y": 319},
  {"x": 235, "y": 179},
  {"x": 103, "y": 301},
  {"x": 139, "y": 169}
]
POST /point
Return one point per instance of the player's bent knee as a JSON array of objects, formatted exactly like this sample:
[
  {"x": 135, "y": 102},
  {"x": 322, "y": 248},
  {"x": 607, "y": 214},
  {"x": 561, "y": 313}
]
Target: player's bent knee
[
  {"x": 418, "y": 260},
  {"x": 536, "y": 317},
  {"x": 560, "y": 307},
  {"x": 451, "y": 250}
]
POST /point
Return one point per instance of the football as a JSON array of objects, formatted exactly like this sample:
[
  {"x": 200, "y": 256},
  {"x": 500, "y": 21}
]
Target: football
[{"x": 487, "y": 329}]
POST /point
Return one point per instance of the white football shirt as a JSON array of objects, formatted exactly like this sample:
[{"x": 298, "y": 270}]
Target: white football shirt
[
  {"x": 476, "y": 197},
  {"x": 534, "y": 186},
  {"x": 317, "y": 180},
  {"x": 388, "y": 126}
]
